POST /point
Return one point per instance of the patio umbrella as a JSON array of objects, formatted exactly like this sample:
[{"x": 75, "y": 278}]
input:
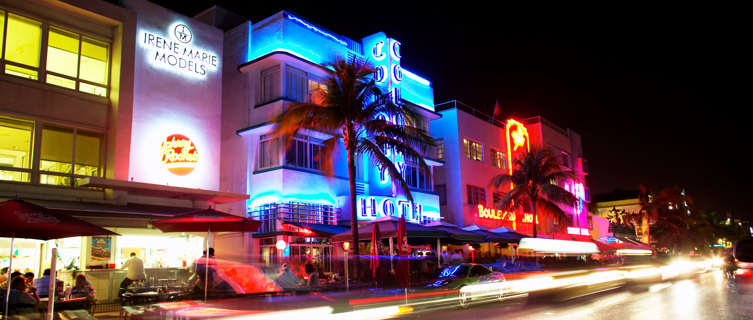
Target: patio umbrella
[
  {"x": 508, "y": 233},
  {"x": 206, "y": 220},
  {"x": 25, "y": 220},
  {"x": 403, "y": 265},
  {"x": 374, "y": 254}
]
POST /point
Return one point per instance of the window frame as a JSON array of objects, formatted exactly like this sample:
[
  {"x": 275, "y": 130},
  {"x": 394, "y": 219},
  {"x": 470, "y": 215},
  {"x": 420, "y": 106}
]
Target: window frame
[
  {"x": 306, "y": 95},
  {"x": 35, "y": 172},
  {"x": 42, "y": 71},
  {"x": 308, "y": 144},
  {"x": 475, "y": 195},
  {"x": 472, "y": 148},
  {"x": 496, "y": 158},
  {"x": 275, "y": 160}
]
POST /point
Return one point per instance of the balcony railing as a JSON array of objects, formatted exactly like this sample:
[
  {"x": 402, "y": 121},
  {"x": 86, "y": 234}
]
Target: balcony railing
[{"x": 273, "y": 214}]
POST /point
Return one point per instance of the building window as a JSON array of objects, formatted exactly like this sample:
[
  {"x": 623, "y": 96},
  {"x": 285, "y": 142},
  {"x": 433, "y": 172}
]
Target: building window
[
  {"x": 496, "y": 197},
  {"x": 476, "y": 195},
  {"x": 303, "y": 87},
  {"x": 269, "y": 152},
  {"x": 23, "y": 47},
  {"x": 440, "y": 149},
  {"x": 16, "y": 137},
  {"x": 473, "y": 150},
  {"x": 441, "y": 190},
  {"x": 304, "y": 152},
  {"x": 270, "y": 85},
  {"x": 67, "y": 155},
  {"x": 499, "y": 159},
  {"x": 73, "y": 61},
  {"x": 416, "y": 176},
  {"x": 565, "y": 158}
]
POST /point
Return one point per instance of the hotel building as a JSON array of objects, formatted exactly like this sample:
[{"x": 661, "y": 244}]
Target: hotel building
[
  {"x": 476, "y": 148},
  {"x": 268, "y": 66}
]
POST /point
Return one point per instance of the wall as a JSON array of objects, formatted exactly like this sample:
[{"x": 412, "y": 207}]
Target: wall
[{"x": 175, "y": 101}]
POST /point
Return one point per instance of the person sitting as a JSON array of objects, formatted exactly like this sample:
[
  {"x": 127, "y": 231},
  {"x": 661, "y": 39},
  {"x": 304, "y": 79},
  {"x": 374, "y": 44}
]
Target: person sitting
[
  {"x": 19, "y": 300},
  {"x": 286, "y": 279},
  {"x": 313, "y": 281},
  {"x": 82, "y": 289},
  {"x": 42, "y": 284}
]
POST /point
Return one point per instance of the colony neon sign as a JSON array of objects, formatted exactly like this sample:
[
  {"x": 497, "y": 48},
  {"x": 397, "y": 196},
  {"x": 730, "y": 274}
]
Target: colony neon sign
[
  {"x": 499, "y": 214},
  {"x": 179, "y": 154},
  {"x": 174, "y": 52}
]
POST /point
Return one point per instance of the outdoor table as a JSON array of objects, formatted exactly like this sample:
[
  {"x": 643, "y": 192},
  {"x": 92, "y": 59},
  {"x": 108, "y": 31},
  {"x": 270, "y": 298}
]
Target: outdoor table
[{"x": 65, "y": 304}]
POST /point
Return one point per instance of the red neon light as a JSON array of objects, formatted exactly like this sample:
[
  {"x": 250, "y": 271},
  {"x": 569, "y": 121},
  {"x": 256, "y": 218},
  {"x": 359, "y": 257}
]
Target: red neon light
[
  {"x": 516, "y": 138},
  {"x": 499, "y": 214}
]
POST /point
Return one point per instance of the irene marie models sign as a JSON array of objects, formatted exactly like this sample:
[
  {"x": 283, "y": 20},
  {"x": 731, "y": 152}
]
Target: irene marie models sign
[{"x": 174, "y": 51}]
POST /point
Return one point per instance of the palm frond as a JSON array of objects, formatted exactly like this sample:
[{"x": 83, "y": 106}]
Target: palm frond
[
  {"x": 375, "y": 153},
  {"x": 395, "y": 145},
  {"x": 555, "y": 194},
  {"x": 306, "y": 116}
]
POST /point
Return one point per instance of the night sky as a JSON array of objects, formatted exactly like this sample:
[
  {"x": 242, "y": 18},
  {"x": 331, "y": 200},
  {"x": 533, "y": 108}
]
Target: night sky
[{"x": 655, "y": 92}]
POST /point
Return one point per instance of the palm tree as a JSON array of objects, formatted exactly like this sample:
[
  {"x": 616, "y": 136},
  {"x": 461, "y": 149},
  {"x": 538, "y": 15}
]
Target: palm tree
[
  {"x": 533, "y": 178},
  {"x": 353, "y": 108}
]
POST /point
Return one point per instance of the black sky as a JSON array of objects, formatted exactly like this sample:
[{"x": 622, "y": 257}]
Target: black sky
[{"x": 657, "y": 93}]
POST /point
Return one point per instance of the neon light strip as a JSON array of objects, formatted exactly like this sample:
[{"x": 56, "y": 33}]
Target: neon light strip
[
  {"x": 312, "y": 27},
  {"x": 510, "y": 123},
  {"x": 416, "y": 77}
]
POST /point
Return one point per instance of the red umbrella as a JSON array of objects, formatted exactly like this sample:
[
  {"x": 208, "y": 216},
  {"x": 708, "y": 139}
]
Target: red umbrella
[
  {"x": 206, "y": 220},
  {"x": 25, "y": 220},
  {"x": 375, "y": 239},
  {"x": 403, "y": 264}
]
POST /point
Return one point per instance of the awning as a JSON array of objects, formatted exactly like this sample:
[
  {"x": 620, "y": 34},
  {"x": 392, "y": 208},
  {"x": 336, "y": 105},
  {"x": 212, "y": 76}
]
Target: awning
[
  {"x": 110, "y": 215},
  {"x": 388, "y": 229},
  {"x": 158, "y": 190},
  {"x": 321, "y": 230}
]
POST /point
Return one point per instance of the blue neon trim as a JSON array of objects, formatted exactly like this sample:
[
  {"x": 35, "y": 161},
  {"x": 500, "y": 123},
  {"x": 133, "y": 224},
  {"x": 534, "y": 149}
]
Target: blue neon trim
[
  {"x": 416, "y": 77},
  {"x": 312, "y": 27}
]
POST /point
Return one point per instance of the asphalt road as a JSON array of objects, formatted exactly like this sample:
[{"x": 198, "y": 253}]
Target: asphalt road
[{"x": 704, "y": 296}]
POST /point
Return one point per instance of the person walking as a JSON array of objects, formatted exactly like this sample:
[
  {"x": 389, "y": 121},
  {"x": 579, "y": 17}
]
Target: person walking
[{"x": 135, "y": 272}]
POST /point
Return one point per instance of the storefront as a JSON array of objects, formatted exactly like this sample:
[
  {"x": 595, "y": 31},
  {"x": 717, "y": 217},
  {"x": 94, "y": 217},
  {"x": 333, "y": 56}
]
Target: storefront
[{"x": 110, "y": 113}]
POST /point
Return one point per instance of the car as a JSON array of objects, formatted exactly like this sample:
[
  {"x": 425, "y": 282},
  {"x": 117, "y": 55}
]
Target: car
[
  {"x": 473, "y": 282},
  {"x": 743, "y": 255}
]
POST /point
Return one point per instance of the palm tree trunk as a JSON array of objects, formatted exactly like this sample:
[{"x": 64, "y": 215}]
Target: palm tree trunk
[
  {"x": 350, "y": 145},
  {"x": 535, "y": 217}
]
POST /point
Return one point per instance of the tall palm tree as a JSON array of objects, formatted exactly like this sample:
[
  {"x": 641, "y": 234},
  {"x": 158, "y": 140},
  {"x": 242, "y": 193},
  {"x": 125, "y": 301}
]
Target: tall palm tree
[
  {"x": 353, "y": 108},
  {"x": 534, "y": 179}
]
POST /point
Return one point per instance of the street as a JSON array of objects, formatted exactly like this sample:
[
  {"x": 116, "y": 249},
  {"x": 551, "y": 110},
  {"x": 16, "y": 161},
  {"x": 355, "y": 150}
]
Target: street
[{"x": 706, "y": 296}]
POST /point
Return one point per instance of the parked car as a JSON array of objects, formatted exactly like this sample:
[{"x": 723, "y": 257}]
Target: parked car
[
  {"x": 743, "y": 254},
  {"x": 473, "y": 282}
]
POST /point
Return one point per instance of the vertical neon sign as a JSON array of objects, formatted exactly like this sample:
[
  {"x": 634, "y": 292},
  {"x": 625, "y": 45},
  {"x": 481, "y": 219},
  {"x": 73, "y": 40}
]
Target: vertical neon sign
[{"x": 516, "y": 136}]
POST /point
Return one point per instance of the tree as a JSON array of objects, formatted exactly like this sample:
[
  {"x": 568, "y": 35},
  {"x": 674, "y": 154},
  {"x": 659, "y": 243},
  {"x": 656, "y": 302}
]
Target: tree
[
  {"x": 533, "y": 178},
  {"x": 670, "y": 215},
  {"x": 354, "y": 109}
]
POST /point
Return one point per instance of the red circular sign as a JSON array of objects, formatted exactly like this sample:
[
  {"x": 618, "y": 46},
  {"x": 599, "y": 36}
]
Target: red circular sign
[{"x": 179, "y": 154}]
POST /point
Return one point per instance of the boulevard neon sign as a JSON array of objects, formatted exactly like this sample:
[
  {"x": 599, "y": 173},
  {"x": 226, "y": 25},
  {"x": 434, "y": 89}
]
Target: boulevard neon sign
[
  {"x": 499, "y": 214},
  {"x": 175, "y": 53},
  {"x": 179, "y": 154}
]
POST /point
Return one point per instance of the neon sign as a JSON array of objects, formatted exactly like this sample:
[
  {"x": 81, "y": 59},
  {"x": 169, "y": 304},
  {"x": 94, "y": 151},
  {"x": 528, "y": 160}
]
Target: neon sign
[
  {"x": 179, "y": 154},
  {"x": 516, "y": 135},
  {"x": 175, "y": 52},
  {"x": 499, "y": 214},
  {"x": 370, "y": 208}
]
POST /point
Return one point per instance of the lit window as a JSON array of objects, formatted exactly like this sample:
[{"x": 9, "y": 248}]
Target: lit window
[
  {"x": 62, "y": 53},
  {"x": 16, "y": 138},
  {"x": 440, "y": 149},
  {"x": 94, "y": 58},
  {"x": 23, "y": 45},
  {"x": 317, "y": 92},
  {"x": 499, "y": 159},
  {"x": 57, "y": 156},
  {"x": 473, "y": 150}
]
